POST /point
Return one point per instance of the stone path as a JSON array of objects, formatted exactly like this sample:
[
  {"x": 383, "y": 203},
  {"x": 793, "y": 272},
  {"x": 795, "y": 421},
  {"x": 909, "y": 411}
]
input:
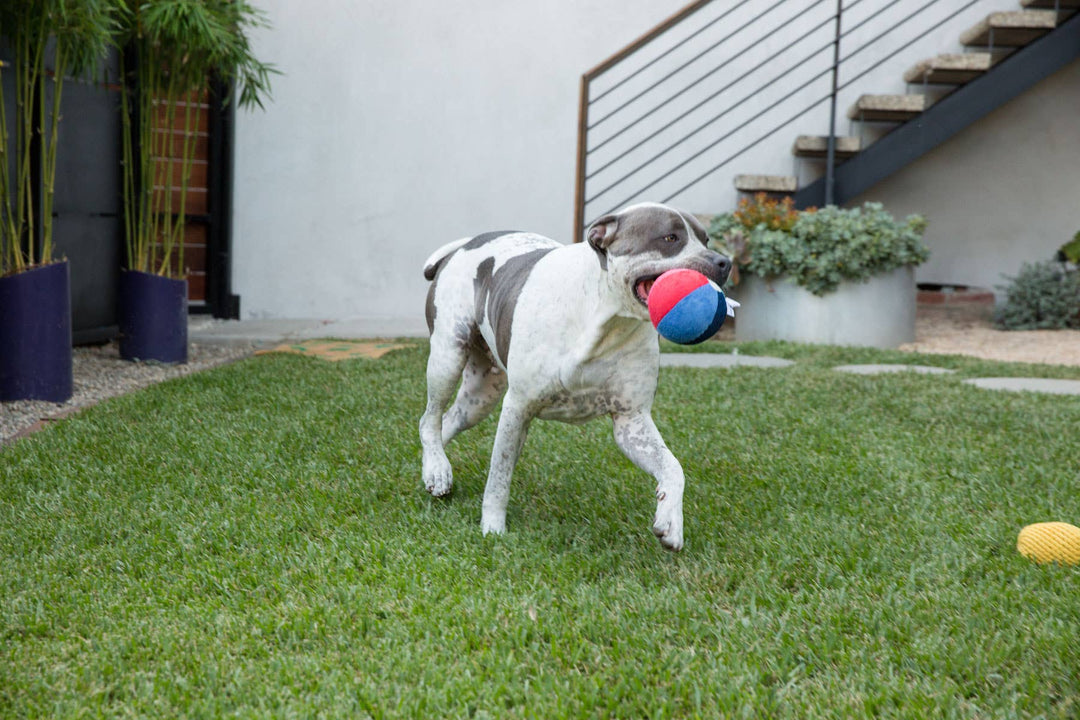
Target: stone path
[
  {"x": 729, "y": 360},
  {"x": 879, "y": 369},
  {"x": 1043, "y": 385},
  {"x": 722, "y": 360}
]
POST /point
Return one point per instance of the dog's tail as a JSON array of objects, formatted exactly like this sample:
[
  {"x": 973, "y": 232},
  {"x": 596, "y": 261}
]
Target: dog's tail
[{"x": 437, "y": 258}]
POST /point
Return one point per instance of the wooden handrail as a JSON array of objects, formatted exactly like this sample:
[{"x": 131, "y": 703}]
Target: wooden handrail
[
  {"x": 583, "y": 102},
  {"x": 659, "y": 29}
]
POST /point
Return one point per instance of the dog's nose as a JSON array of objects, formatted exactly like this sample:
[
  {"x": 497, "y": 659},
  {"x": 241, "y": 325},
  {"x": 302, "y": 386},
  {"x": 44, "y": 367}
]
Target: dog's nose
[{"x": 723, "y": 267}]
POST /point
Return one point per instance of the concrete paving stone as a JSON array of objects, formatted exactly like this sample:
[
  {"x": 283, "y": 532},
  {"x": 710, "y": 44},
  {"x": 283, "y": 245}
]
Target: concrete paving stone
[
  {"x": 892, "y": 368},
  {"x": 720, "y": 360},
  {"x": 1020, "y": 384},
  {"x": 767, "y": 183},
  {"x": 203, "y": 329}
]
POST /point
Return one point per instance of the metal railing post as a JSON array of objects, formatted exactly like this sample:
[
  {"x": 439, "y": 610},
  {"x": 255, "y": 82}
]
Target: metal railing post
[
  {"x": 582, "y": 156},
  {"x": 830, "y": 151}
]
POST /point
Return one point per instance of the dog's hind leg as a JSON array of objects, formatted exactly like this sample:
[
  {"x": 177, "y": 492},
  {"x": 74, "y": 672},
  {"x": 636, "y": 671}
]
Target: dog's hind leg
[
  {"x": 447, "y": 359},
  {"x": 482, "y": 386},
  {"x": 637, "y": 436}
]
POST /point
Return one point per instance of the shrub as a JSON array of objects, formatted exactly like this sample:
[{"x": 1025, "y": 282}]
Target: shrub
[
  {"x": 1070, "y": 251},
  {"x": 763, "y": 210},
  {"x": 821, "y": 249},
  {"x": 1043, "y": 295}
]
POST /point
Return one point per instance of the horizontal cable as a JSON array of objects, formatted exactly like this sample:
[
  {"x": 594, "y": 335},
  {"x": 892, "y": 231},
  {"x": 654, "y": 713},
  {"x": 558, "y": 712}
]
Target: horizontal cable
[
  {"x": 726, "y": 136},
  {"x": 703, "y": 77},
  {"x": 701, "y": 54},
  {"x": 667, "y": 52},
  {"x": 787, "y": 122},
  {"x": 888, "y": 30},
  {"x": 701, "y": 127},
  {"x": 760, "y": 139},
  {"x": 867, "y": 19},
  {"x": 904, "y": 47}
]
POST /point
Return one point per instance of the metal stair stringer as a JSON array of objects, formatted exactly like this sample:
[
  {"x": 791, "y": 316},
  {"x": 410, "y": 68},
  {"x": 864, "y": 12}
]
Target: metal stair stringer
[{"x": 948, "y": 116}]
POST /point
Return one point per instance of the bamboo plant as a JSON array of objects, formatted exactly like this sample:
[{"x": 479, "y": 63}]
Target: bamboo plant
[
  {"x": 74, "y": 34},
  {"x": 173, "y": 49}
]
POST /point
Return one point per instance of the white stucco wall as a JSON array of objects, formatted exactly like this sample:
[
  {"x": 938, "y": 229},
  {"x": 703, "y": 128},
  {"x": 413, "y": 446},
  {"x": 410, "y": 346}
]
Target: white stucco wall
[{"x": 398, "y": 126}]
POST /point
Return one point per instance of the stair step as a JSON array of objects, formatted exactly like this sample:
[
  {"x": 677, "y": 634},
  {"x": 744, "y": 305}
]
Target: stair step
[
  {"x": 1010, "y": 29},
  {"x": 950, "y": 69},
  {"x": 1049, "y": 4},
  {"x": 766, "y": 183},
  {"x": 817, "y": 146},
  {"x": 888, "y": 108}
]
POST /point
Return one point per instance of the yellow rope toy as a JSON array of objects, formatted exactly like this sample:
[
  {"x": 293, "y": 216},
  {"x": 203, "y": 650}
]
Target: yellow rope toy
[{"x": 1050, "y": 542}]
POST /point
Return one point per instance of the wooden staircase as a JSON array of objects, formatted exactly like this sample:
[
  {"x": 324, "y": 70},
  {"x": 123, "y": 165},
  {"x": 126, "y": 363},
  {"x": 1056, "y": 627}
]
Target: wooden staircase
[{"x": 997, "y": 41}]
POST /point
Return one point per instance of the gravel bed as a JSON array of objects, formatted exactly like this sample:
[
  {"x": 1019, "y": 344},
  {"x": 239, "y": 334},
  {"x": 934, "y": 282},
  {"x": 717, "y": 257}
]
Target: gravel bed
[
  {"x": 944, "y": 331},
  {"x": 99, "y": 373}
]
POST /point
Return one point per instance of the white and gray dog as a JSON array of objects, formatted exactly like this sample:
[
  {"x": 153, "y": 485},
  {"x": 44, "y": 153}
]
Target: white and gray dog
[{"x": 559, "y": 332}]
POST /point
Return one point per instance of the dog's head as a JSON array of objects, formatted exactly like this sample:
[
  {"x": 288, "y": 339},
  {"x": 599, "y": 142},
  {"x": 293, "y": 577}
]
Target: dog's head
[{"x": 640, "y": 243}]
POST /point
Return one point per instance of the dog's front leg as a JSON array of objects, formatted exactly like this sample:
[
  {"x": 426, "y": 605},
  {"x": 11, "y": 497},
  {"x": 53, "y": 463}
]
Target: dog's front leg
[
  {"x": 638, "y": 438},
  {"x": 509, "y": 437}
]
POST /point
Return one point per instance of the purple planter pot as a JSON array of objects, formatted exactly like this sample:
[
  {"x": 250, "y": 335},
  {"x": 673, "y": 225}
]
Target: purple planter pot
[
  {"x": 153, "y": 316},
  {"x": 35, "y": 334}
]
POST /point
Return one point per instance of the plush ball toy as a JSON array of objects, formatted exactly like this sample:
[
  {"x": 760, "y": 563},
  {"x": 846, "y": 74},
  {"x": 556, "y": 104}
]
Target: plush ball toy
[
  {"x": 1050, "y": 542},
  {"x": 686, "y": 307}
]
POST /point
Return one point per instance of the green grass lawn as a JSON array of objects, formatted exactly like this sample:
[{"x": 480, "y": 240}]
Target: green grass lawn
[{"x": 255, "y": 541}]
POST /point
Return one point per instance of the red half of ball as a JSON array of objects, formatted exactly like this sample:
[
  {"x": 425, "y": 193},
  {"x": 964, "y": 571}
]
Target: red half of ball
[{"x": 670, "y": 288}]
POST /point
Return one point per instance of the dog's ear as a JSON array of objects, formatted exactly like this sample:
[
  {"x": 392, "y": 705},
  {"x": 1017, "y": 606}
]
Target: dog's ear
[{"x": 602, "y": 232}]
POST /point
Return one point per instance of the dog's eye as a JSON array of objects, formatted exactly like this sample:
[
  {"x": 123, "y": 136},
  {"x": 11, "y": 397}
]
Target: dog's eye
[{"x": 671, "y": 238}]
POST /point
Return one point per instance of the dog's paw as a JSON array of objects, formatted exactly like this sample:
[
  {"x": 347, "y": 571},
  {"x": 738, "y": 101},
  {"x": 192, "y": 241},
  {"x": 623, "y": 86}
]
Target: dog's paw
[
  {"x": 668, "y": 527},
  {"x": 438, "y": 477},
  {"x": 491, "y": 525}
]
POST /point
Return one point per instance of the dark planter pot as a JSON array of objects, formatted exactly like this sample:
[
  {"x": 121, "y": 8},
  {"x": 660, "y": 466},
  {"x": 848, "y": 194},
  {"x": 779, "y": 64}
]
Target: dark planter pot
[
  {"x": 35, "y": 334},
  {"x": 153, "y": 316}
]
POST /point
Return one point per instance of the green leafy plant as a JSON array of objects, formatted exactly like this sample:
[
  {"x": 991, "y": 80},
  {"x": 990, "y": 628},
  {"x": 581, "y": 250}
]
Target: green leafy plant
[
  {"x": 825, "y": 247},
  {"x": 49, "y": 40},
  {"x": 1042, "y": 295},
  {"x": 175, "y": 48},
  {"x": 1070, "y": 251}
]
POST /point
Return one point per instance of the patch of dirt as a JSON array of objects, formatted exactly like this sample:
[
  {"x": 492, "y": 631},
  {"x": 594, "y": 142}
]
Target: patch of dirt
[{"x": 969, "y": 331}]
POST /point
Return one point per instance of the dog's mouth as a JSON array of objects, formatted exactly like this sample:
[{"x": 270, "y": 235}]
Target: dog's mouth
[{"x": 642, "y": 287}]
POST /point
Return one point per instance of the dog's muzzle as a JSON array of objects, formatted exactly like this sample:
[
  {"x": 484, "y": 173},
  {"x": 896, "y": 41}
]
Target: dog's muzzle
[{"x": 714, "y": 266}]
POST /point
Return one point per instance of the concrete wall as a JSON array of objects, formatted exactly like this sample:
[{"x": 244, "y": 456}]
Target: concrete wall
[
  {"x": 398, "y": 126},
  {"x": 1001, "y": 192}
]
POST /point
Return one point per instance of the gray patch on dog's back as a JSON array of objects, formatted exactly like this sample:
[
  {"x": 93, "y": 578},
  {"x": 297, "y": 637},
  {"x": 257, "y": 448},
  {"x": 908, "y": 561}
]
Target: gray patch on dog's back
[
  {"x": 430, "y": 309},
  {"x": 432, "y": 271},
  {"x": 482, "y": 286},
  {"x": 485, "y": 238},
  {"x": 497, "y": 294}
]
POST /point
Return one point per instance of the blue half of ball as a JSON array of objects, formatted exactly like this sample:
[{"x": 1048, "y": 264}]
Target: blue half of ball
[{"x": 695, "y": 318}]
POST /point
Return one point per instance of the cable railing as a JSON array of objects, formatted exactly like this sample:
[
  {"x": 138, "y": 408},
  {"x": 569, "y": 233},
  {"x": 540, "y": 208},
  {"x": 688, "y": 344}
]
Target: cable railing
[{"x": 780, "y": 62}]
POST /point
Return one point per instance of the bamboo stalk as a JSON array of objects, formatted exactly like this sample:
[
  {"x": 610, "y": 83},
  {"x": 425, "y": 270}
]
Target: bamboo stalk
[
  {"x": 7, "y": 230},
  {"x": 49, "y": 152}
]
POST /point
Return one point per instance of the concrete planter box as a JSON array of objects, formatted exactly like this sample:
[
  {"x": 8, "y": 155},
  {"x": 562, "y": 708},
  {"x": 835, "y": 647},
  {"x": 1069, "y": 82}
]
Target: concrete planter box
[{"x": 879, "y": 312}]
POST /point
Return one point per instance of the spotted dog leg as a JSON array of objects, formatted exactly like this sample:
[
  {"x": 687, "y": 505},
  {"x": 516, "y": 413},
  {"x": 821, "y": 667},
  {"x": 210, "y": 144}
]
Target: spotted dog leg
[
  {"x": 447, "y": 359},
  {"x": 513, "y": 427},
  {"x": 637, "y": 436},
  {"x": 482, "y": 386}
]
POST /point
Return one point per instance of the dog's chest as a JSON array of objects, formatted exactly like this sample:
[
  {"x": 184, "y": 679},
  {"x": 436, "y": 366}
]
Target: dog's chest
[{"x": 595, "y": 389}]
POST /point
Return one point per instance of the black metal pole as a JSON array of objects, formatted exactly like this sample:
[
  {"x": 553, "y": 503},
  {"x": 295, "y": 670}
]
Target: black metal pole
[{"x": 830, "y": 152}]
